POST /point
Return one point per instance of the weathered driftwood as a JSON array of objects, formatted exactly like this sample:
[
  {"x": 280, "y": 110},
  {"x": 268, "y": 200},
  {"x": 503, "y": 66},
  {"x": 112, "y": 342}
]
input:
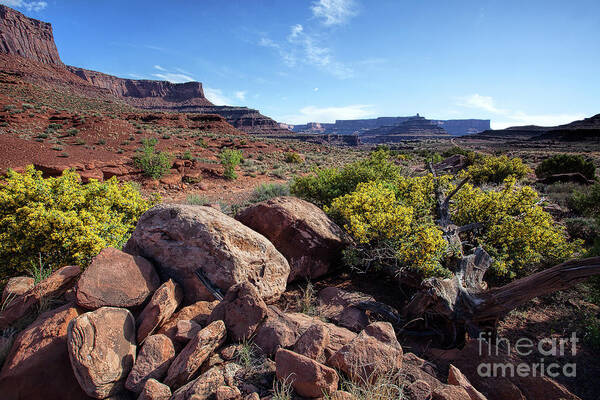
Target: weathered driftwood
[{"x": 463, "y": 304}]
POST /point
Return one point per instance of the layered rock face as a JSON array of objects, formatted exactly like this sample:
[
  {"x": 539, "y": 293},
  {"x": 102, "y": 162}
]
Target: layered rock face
[
  {"x": 27, "y": 37},
  {"x": 413, "y": 128},
  {"x": 345, "y": 127},
  {"x": 146, "y": 93},
  {"x": 33, "y": 39}
]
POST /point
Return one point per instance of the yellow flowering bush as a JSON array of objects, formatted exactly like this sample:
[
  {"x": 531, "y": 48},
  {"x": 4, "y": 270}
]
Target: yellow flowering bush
[
  {"x": 62, "y": 221},
  {"x": 496, "y": 170},
  {"x": 517, "y": 232},
  {"x": 391, "y": 230},
  {"x": 372, "y": 212}
]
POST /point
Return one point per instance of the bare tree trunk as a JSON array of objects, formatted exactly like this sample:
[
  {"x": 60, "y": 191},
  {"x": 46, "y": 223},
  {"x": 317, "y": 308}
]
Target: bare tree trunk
[{"x": 462, "y": 304}]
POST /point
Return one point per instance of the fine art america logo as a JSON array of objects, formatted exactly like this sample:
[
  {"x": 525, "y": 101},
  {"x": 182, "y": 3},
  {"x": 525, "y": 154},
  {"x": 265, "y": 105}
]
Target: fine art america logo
[{"x": 525, "y": 347}]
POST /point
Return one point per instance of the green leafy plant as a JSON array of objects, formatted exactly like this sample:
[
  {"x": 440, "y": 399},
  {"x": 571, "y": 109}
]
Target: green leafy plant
[
  {"x": 566, "y": 163},
  {"x": 154, "y": 164},
  {"x": 230, "y": 159},
  {"x": 324, "y": 185},
  {"x": 293, "y": 158},
  {"x": 268, "y": 191}
]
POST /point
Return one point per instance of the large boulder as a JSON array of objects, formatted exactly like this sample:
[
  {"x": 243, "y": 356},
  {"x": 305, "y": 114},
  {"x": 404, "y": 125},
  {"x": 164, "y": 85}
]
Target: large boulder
[
  {"x": 38, "y": 365},
  {"x": 116, "y": 279},
  {"x": 374, "y": 352},
  {"x": 308, "y": 377},
  {"x": 152, "y": 362},
  {"x": 102, "y": 349},
  {"x": 301, "y": 231},
  {"x": 242, "y": 310},
  {"x": 181, "y": 239},
  {"x": 159, "y": 309},
  {"x": 53, "y": 286},
  {"x": 188, "y": 362}
]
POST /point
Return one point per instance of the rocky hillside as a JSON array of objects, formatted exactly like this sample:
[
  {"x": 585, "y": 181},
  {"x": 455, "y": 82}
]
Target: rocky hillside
[
  {"x": 33, "y": 40},
  {"x": 193, "y": 308},
  {"x": 585, "y": 129}
]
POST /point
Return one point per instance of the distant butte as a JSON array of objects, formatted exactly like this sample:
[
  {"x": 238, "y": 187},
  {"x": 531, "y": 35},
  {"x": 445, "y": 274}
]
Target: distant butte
[{"x": 32, "y": 39}]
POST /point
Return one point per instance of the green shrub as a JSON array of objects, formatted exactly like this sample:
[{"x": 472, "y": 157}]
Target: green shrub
[
  {"x": 62, "y": 221},
  {"x": 268, "y": 191},
  {"x": 324, "y": 185},
  {"x": 587, "y": 201},
  {"x": 153, "y": 164},
  {"x": 292, "y": 157},
  {"x": 230, "y": 159},
  {"x": 496, "y": 170},
  {"x": 566, "y": 163},
  {"x": 197, "y": 200},
  {"x": 471, "y": 155}
]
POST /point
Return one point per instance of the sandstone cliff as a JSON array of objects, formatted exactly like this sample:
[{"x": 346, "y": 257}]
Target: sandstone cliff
[
  {"x": 344, "y": 127},
  {"x": 33, "y": 40},
  {"x": 27, "y": 37}
]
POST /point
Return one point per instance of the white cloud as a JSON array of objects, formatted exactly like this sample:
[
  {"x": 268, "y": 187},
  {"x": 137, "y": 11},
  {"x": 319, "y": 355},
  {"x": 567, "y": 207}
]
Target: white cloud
[
  {"x": 217, "y": 97},
  {"x": 481, "y": 102},
  {"x": 317, "y": 55},
  {"x": 316, "y": 89},
  {"x": 240, "y": 95},
  {"x": 329, "y": 114},
  {"x": 27, "y": 5},
  {"x": 174, "y": 77},
  {"x": 334, "y": 12},
  {"x": 506, "y": 118}
]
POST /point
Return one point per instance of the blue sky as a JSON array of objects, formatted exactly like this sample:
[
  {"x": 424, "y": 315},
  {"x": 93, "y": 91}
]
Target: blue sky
[{"x": 515, "y": 62}]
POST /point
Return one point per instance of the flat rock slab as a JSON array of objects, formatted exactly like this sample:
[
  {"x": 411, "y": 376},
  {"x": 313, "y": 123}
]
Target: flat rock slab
[
  {"x": 189, "y": 361},
  {"x": 152, "y": 362},
  {"x": 102, "y": 350},
  {"x": 159, "y": 309},
  {"x": 116, "y": 279},
  {"x": 308, "y": 377},
  {"x": 181, "y": 239},
  {"x": 53, "y": 286}
]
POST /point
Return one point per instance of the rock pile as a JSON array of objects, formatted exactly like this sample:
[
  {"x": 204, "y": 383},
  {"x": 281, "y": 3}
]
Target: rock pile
[{"x": 141, "y": 324}]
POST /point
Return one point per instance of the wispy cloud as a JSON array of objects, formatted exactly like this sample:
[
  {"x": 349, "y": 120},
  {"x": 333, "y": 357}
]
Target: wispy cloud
[
  {"x": 305, "y": 46},
  {"x": 334, "y": 12},
  {"x": 217, "y": 97},
  {"x": 301, "y": 46},
  {"x": 240, "y": 95},
  {"x": 329, "y": 114},
  {"x": 27, "y": 5},
  {"x": 480, "y": 102},
  {"x": 505, "y": 118},
  {"x": 174, "y": 77}
]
